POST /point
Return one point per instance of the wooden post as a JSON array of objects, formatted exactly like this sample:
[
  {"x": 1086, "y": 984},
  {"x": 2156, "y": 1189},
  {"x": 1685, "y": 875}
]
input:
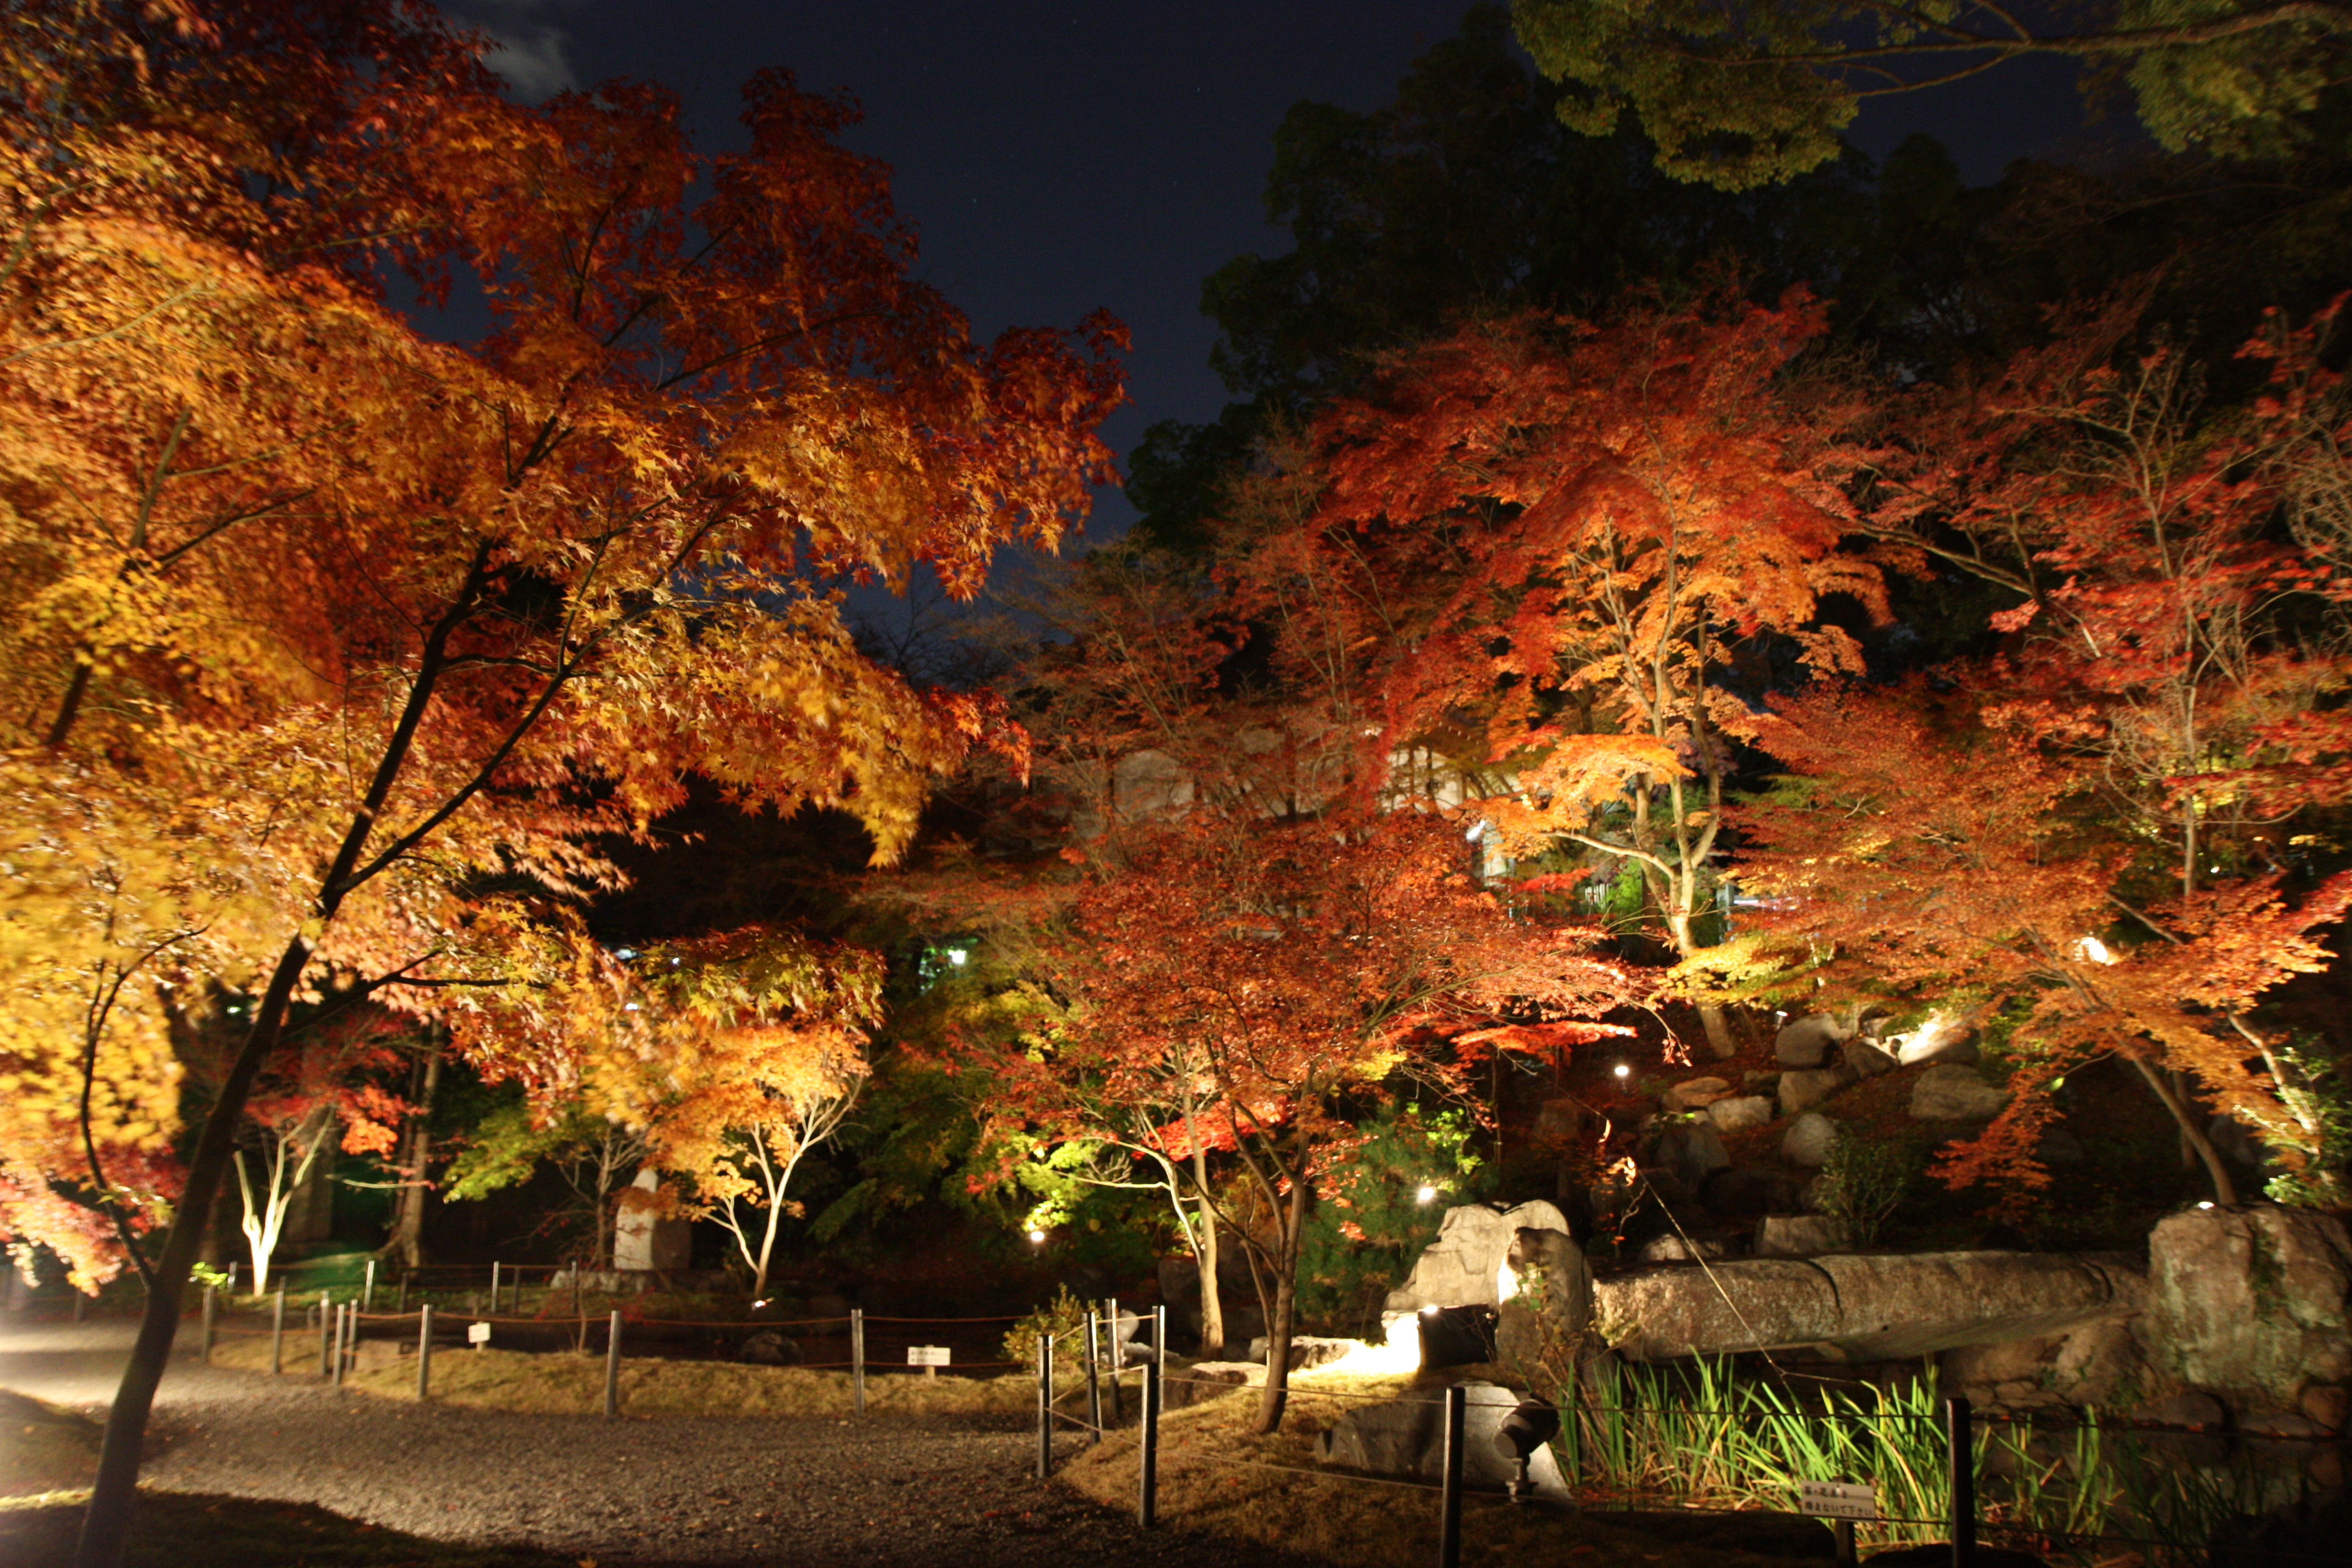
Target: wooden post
[
  {"x": 367, "y": 1291},
  {"x": 1449, "y": 1512},
  {"x": 211, "y": 1324},
  {"x": 1843, "y": 1529},
  {"x": 1094, "y": 1374},
  {"x": 494, "y": 1289},
  {"x": 858, "y": 1356},
  {"x": 1964, "y": 1483},
  {"x": 578, "y": 1269},
  {"x": 326, "y": 1348},
  {"x": 1147, "y": 1493},
  {"x": 342, "y": 1314},
  {"x": 1117, "y": 1351},
  {"x": 424, "y": 1353},
  {"x": 612, "y": 1366},
  {"x": 404, "y": 1276},
  {"x": 1045, "y": 1404},
  {"x": 278, "y": 1332}
]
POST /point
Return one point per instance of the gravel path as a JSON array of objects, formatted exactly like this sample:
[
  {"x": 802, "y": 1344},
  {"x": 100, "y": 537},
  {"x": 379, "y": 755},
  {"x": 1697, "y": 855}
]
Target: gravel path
[{"x": 884, "y": 1493}]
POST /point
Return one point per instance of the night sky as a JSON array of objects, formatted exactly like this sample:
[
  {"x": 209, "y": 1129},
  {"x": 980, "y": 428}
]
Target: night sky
[{"x": 1056, "y": 158}]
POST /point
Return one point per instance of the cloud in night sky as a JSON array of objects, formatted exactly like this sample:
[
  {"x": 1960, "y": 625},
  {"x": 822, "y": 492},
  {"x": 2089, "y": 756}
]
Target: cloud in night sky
[{"x": 529, "y": 51}]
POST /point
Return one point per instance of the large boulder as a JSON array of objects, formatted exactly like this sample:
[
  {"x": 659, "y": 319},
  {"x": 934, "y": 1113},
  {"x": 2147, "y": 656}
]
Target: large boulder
[
  {"x": 1740, "y": 1112},
  {"x": 1866, "y": 1058},
  {"x": 1950, "y": 1092},
  {"x": 1801, "y": 1092},
  {"x": 643, "y": 1237},
  {"x": 1939, "y": 1038},
  {"x": 1462, "y": 1267},
  {"x": 1692, "y": 1150},
  {"x": 1809, "y": 1140},
  {"x": 1799, "y": 1234},
  {"x": 2251, "y": 1302},
  {"x": 1808, "y": 1041},
  {"x": 1871, "y": 1307},
  {"x": 1308, "y": 1350},
  {"x": 1548, "y": 1307},
  {"x": 1694, "y": 1094},
  {"x": 1406, "y": 1438}
]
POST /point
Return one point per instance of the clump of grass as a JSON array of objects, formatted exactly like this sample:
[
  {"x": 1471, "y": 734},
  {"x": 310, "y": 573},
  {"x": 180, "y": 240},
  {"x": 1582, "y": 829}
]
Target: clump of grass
[
  {"x": 43, "y": 1446},
  {"x": 570, "y": 1383},
  {"x": 1217, "y": 1477},
  {"x": 193, "y": 1530}
]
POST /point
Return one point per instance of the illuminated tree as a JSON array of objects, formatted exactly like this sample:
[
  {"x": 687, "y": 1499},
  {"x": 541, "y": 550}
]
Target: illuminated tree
[
  {"x": 1248, "y": 979},
  {"x": 2094, "y": 825},
  {"x": 318, "y": 631},
  {"x": 1561, "y": 540}
]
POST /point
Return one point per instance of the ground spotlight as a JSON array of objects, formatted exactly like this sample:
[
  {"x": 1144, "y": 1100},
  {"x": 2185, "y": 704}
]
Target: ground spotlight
[
  {"x": 1037, "y": 1237},
  {"x": 1535, "y": 1423},
  {"x": 1622, "y": 1070},
  {"x": 1428, "y": 1194}
]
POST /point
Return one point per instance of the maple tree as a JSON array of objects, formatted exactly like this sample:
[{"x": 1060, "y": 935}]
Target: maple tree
[
  {"x": 326, "y": 638},
  {"x": 326, "y": 1088},
  {"x": 1557, "y": 541},
  {"x": 1244, "y": 980},
  {"x": 2091, "y": 824}
]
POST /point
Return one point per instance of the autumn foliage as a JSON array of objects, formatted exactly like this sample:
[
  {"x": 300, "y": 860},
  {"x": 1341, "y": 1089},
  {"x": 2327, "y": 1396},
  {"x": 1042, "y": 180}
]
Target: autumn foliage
[{"x": 317, "y": 628}]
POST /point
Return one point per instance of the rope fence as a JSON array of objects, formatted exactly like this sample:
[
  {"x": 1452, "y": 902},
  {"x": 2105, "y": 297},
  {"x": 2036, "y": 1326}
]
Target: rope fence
[{"x": 1100, "y": 1348}]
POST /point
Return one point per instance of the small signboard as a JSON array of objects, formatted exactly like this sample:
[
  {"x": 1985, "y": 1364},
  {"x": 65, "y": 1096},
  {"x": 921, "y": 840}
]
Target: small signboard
[
  {"x": 1838, "y": 1500},
  {"x": 477, "y": 1334},
  {"x": 927, "y": 1355}
]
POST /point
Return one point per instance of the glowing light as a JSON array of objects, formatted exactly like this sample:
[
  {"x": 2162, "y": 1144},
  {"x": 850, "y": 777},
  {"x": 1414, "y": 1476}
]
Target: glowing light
[
  {"x": 625, "y": 954},
  {"x": 1037, "y": 1237},
  {"x": 956, "y": 956},
  {"x": 2207, "y": 1205},
  {"x": 2095, "y": 950},
  {"x": 631, "y": 1007},
  {"x": 1428, "y": 1194},
  {"x": 1622, "y": 1070},
  {"x": 757, "y": 1305},
  {"x": 1506, "y": 1283}
]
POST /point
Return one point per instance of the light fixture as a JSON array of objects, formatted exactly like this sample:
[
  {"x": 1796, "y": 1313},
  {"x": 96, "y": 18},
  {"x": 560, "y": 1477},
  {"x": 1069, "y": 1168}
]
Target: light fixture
[
  {"x": 1622, "y": 1070},
  {"x": 956, "y": 956},
  {"x": 1428, "y": 1194},
  {"x": 1037, "y": 1237},
  {"x": 1526, "y": 1429},
  {"x": 2206, "y": 1205},
  {"x": 625, "y": 954}
]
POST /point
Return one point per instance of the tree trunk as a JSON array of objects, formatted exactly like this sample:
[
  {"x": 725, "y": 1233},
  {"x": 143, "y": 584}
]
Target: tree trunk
[
  {"x": 1213, "y": 1306},
  {"x": 2192, "y": 1137},
  {"x": 114, "y": 1491},
  {"x": 407, "y": 1240},
  {"x": 1288, "y": 1228},
  {"x": 1711, "y": 1019}
]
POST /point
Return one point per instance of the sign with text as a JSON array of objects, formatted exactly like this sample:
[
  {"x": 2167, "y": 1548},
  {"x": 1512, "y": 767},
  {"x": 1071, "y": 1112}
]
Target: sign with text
[
  {"x": 926, "y": 1356},
  {"x": 477, "y": 1333},
  {"x": 1837, "y": 1500}
]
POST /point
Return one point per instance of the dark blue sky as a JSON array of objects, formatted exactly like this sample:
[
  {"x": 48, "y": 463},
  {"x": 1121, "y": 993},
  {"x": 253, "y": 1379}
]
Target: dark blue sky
[{"x": 1056, "y": 158}]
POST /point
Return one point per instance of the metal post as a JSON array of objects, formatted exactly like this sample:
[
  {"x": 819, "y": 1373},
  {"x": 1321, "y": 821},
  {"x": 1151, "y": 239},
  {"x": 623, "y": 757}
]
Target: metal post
[
  {"x": 1449, "y": 1514},
  {"x": 1045, "y": 1404},
  {"x": 212, "y": 1322},
  {"x": 1146, "y": 1496},
  {"x": 326, "y": 1323},
  {"x": 1964, "y": 1483},
  {"x": 858, "y": 1356},
  {"x": 494, "y": 1289},
  {"x": 1094, "y": 1375},
  {"x": 278, "y": 1333},
  {"x": 367, "y": 1291},
  {"x": 612, "y": 1367},
  {"x": 424, "y": 1353}
]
